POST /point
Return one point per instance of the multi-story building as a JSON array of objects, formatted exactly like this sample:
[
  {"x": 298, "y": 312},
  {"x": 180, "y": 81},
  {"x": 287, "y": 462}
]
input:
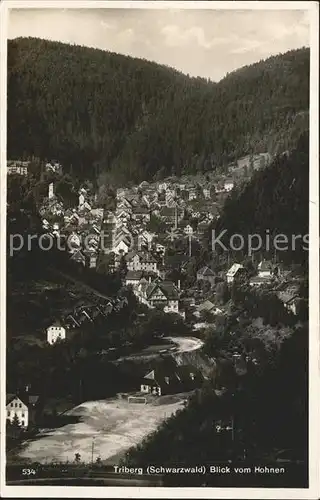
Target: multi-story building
[
  {"x": 17, "y": 409},
  {"x": 55, "y": 332}
]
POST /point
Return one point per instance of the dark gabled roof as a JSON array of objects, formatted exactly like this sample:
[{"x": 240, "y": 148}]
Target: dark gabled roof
[
  {"x": 148, "y": 258},
  {"x": 158, "y": 372},
  {"x": 168, "y": 289},
  {"x": 265, "y": 265},
  {"x": 134, "y": 275},
  {"x": 141, "y": 210},
  {"x": 161, "y": 371},
  {"x": 78, "y": 256},
  {"x": 287, "y": 296},
  {"x": 206, "y": 271}
]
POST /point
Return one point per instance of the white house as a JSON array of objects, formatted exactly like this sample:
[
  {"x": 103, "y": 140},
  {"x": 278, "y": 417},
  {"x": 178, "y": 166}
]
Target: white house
[
  {"x": 160, "y": 248},
  {"x": 121, "y": 247},
  {"x": 260, "y": 280},
  {"x": 188, "y": 229},
  {"x": 162, "y": 186},
  {"x": 265, "y": 269},
  {"x": 16, "y": 407},
  {"x": 228, "y": 185},
  {"x": 74, "y": 241},
  {"x": 192, "y": 194},
  {"x": 81, "y": 200},
  {"x": 234, "y": 269},
  {"x": 55, "y": 332},
  {"x": 45, "y": 224}
]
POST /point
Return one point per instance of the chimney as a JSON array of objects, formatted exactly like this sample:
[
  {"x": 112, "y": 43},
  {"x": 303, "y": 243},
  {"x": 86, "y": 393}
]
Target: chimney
[{"x": 179, "y": 284}]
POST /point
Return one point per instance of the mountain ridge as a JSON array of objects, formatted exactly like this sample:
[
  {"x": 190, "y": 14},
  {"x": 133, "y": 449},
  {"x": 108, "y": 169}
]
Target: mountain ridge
[{"x": 119, "y": 118}]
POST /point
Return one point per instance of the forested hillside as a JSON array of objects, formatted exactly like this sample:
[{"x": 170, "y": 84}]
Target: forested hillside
[
  {"x": 272, "y": 390},
  {"x": 275, "y": 202},
  {"x": 133, "y": 119}
]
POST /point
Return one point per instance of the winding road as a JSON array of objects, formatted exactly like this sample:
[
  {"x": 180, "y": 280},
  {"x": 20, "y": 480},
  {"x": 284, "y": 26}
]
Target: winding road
[{"x": 186, "y": 344}]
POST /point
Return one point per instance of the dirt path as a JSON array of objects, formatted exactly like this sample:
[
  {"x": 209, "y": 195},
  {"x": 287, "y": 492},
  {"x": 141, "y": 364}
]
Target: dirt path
[{"x": 186, "y": 344}]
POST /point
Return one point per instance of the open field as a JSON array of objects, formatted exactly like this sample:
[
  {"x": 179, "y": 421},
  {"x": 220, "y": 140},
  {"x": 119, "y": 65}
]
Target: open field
[{"x": 110, "y": 426}]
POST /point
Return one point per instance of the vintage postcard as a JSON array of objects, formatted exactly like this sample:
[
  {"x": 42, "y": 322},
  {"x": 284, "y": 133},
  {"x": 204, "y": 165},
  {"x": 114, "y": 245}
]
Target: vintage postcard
[{"x": 160, "y": 243}]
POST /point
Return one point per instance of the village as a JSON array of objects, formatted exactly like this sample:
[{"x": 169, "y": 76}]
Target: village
[{"x": 154, "y": 234}]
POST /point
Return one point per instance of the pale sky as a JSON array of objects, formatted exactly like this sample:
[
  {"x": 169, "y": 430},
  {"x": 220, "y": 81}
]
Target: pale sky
[{"x": 207, "y": 43}]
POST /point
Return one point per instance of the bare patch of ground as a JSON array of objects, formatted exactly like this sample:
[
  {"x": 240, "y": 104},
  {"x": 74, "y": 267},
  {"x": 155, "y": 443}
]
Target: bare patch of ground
[{"x": 109, "y": 427}]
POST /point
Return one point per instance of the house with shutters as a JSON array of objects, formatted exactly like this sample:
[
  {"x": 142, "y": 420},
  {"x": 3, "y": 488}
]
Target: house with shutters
[
  {"x": 16, "y": 408},
  {"x": 55, "y": 332},
  {"x": 133, "y": 278},
  {"x": 228, "y": 184},
  {"x": 141, "y": 261},
  {"x": 162, "y": 294}
]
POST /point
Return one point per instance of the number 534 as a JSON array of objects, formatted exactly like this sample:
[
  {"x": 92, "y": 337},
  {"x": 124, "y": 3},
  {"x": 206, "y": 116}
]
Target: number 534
[{"x": 28, "y": 472}]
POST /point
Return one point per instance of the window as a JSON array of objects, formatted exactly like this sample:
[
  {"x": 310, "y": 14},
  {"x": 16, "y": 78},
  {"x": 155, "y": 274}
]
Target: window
[
  {"x": 16, "y": 405},
  {"x": 8, "y": 414},
  {"x": 11, "y": 405},
  {"x": 22, "y": 423},
  {"x": 20, "y": 405},
  {"x": 22, "y": 415}
]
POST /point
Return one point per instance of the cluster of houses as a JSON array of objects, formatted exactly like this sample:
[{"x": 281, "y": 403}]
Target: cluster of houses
[
  {"x": 21, "y": 167},
  {"x": 17, "y": 167},
  {"x": 145, "y": 213},
  {"x": 142, "y": 228},
  {"x": 79, "y": 227},
  {"x": 60, "y": 329},
  {"x": 268, "y": 273}
]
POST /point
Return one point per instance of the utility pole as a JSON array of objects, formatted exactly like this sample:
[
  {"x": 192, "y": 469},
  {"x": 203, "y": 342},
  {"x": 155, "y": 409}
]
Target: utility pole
[
  {"x": 275, "y": 256},
  {"x": 232, "y": 428},
  {"x": 92, "y": 449},
  {"x": 176, "y": 215},
  {"x": 190, "y": 244}
]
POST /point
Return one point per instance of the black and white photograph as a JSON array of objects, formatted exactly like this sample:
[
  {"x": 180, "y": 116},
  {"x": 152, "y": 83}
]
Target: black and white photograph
[{"x": 160, "y": 243}]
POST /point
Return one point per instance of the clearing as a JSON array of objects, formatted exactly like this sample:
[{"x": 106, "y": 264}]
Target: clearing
[{"x": 109, "y": 426}]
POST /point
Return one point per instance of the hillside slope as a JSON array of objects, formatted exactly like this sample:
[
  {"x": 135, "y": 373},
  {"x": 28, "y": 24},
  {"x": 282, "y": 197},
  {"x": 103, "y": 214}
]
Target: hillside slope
[
  {"x": 104, "y": 112},
  {"x": 275, "y": 202}
]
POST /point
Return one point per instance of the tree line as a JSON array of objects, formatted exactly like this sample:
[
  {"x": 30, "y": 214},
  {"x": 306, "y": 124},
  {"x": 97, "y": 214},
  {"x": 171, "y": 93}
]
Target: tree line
[{"x": 104, "y": 114}]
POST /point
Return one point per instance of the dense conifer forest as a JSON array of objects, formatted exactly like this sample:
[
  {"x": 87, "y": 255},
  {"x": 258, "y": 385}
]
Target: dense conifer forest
[
  {"x": 126, "y": 119},
  {"x": 274, "y": 202}
]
